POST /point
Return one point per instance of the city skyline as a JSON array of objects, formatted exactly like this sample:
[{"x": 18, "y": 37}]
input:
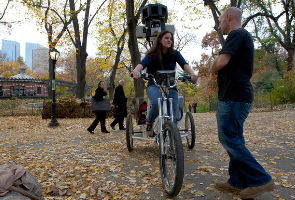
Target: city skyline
[
  {"x": 35, "y": 54},
  {"x": 11, "y": 49}
]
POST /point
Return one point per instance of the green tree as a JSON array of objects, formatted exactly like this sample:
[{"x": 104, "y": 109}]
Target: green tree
[
  {"x": 276, "y": 21},
  {"x": 20, "y": 60}
]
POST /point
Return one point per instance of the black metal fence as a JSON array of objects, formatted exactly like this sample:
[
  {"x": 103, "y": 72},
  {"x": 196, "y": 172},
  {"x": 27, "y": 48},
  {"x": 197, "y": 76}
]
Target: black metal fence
[{"x": 20, "y": 106}]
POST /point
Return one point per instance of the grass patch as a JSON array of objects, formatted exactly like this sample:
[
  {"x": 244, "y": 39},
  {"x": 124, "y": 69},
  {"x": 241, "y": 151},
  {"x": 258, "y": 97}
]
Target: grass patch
[{"x": 203, "y": 108}]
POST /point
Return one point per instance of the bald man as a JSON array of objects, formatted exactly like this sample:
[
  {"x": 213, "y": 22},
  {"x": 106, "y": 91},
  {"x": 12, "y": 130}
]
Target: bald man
[
  {"x": 120, "y": 106},
  {"x": 233, "y": 68}
]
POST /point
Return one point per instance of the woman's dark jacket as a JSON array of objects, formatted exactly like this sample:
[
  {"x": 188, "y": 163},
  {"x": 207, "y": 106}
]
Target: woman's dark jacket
[{"x": 99, "y": 94}]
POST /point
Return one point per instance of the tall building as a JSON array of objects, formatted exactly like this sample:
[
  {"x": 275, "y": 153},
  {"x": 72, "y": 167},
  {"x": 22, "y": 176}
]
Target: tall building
[
  {"x": 11, "y": 49},
  {"x": 29, "y": 53},
  {"x": 40, "y": 59}
]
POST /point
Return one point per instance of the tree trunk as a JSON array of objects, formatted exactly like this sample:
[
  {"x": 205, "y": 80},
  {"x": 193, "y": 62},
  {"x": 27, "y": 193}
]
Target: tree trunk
[
  {"x": 81, "y": 72},
  {"x": 277, "y": 66},
  {"x": 215, "y": 13},
  {"x": 133, "y": 47},
  {"x": 81, "y": 54},
  {"x": 291, "y": 59},
  {"x": 113, "y": 74}
]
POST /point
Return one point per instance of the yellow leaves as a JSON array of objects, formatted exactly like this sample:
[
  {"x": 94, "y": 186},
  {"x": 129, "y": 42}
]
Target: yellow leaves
[
  {"x": 206, "y": 169},
  {"x": 189, "y": 186},
  {"x": 286, "y": 184},
  {"x": 48, "y": 165},
  {"x": 272, "y": 162},
  {"x": 117, "y": 197},
  {"x": 199, "y": 193}
]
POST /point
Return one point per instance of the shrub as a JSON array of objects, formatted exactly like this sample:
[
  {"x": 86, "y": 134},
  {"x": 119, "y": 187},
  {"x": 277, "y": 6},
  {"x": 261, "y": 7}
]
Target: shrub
[
  {"x": 284, "y": 90},
  {"x": 68, "y": 108}
]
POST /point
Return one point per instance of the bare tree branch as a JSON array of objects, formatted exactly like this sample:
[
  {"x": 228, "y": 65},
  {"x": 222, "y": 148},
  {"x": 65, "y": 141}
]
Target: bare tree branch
[
  {"x": 97, "y": 10},
  {"x": 1, "y": 17}
]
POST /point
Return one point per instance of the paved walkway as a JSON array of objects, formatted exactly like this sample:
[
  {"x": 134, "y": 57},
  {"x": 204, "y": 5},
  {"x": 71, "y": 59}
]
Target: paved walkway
[{"x": 70, "y": 163}]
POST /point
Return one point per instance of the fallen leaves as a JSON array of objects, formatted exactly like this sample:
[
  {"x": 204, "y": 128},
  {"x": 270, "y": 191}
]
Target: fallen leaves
[{"x": 72, "y": 164}]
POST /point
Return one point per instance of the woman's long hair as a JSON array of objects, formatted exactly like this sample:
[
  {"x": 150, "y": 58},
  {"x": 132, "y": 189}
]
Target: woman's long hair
[
  {"x": 98, "y": 85},
  {"x": 156, "y": 49}
]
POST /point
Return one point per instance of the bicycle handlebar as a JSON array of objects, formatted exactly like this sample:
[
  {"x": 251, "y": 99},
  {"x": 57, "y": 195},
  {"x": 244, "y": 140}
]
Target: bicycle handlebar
[{"x": 147, "y": 76}]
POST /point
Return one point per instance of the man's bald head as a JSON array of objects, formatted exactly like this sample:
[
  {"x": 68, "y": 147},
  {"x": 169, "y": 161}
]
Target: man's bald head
[
  {"x": 235, "y": 12},
  {"x": 230, "y": 20}
]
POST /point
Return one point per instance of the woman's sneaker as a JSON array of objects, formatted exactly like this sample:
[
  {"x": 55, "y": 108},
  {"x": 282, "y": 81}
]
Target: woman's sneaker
[{"x": 149, "y": 129}]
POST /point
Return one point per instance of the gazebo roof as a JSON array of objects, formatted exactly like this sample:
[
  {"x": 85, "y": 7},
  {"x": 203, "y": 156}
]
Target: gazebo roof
[{"x": 22, "y": 75}]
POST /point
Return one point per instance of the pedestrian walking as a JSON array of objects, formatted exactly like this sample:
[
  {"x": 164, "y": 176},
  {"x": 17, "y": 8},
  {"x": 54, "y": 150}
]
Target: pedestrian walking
[
  {"x": 119, "y": 102},
  {"x": 100, "y": 116},
  {"x": 195, "y": 107},
  {"x": 233, "y": 68}
]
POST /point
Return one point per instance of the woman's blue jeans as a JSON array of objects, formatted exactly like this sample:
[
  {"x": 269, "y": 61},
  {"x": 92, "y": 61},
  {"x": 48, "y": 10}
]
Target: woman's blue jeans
[
  {"x": 244, "y": 170},
  {"x": 153, "y": 93}
]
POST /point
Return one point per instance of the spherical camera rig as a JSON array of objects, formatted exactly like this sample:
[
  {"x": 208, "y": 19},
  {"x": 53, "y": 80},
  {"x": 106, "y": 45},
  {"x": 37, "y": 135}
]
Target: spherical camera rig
[{"x": 154, "y": 17}]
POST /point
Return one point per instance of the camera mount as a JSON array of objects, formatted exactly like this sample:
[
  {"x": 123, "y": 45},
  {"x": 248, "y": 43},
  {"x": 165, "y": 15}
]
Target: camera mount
[{"x": 154, "y": 17}]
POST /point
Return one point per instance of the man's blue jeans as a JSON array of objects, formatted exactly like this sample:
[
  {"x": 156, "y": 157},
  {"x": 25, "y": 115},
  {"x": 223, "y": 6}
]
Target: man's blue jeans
[
  {"x": 153, "y": 93},
  {"x": 244, "y": 170}
]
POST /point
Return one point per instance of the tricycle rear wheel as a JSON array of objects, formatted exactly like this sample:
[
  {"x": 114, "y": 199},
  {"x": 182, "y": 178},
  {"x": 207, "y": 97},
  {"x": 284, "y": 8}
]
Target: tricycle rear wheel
[{"x": 129, "y": 132}]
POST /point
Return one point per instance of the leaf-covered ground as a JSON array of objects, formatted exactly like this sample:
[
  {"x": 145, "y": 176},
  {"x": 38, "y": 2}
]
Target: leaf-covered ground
[{"x": 70, "y": 163}]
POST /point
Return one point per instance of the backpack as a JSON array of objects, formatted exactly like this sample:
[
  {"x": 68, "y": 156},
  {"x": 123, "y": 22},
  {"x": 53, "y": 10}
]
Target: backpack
[
  {"x": 18, "y": 184},
  {"x": 142, "y": 113}
]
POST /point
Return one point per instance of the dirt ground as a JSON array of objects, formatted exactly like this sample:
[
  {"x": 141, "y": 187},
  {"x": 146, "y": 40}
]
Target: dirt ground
[{"x": 70, "y": 163}]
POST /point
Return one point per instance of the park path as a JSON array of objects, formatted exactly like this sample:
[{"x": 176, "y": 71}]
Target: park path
[{"x": 70, "y": 163}]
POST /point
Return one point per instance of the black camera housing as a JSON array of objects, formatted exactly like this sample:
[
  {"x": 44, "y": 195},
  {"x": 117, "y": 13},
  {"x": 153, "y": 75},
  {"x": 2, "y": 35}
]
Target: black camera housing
[
  {"x": 153, "y": 12},
  {"x": 154, "y": 17}
]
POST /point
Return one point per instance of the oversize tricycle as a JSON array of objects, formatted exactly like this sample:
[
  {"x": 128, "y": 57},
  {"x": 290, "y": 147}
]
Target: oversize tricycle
[{"x": 168, "y": 135}]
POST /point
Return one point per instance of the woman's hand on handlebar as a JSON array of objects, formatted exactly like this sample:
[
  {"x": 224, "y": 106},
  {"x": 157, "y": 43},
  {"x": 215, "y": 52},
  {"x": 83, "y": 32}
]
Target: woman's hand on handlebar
[
  {"x": 136, "y": 74},
  {"x": 194, "y": 78},
  {"x": 137, "y": 71}
]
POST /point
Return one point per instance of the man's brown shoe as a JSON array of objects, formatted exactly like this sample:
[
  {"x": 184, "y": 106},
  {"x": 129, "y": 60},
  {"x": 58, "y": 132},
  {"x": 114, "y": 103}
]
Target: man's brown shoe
[
  {"x": 226, "y": 187},
  {"x": 253, "y": 192}
]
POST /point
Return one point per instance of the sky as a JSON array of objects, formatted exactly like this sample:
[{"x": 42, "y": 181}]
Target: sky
[{"x": 28, "y": 32}]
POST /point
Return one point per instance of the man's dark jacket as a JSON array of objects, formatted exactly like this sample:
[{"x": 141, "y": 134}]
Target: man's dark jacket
[{"x": 120, "y": 102}]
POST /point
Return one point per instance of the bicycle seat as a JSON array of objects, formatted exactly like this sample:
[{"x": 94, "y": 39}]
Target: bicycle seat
[{"x": 165, "y": 77}]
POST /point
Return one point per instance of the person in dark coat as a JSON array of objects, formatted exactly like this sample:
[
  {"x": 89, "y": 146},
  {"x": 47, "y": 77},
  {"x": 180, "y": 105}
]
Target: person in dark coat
[
  {"x": 195, "y": 107},
  {"x": 120, "y": 106},
  {"x": 100, "y": 116}
]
